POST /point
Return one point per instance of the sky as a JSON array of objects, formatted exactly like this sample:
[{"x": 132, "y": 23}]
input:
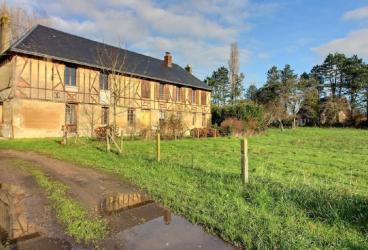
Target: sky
[{"x": 199, "y": 32}]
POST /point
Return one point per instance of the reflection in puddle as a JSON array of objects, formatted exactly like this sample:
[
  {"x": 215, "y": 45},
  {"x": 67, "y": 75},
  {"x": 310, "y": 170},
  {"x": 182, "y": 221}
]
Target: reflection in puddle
[
  {"x": 153, "y": 227},
  {"x": 118, "y": 202},
  {"x": 14, "y": 224}
]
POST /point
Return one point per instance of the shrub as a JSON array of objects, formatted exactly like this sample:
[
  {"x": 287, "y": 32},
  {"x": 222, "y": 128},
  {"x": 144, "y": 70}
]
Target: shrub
[
  {"x": 204, "y": 132},
  {"x": 232, "y": 126},
  {"x": 249, "y": 114},
  {"x": 172, "y": 127},
  {"x": 100, "y": 132}
]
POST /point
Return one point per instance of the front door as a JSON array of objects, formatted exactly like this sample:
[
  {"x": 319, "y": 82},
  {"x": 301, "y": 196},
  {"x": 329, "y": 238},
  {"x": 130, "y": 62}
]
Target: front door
[{"x": 71, "y": 117}]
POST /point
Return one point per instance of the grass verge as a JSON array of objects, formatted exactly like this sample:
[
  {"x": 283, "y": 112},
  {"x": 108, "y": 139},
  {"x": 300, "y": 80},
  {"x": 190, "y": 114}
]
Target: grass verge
[
  {"x": 78, "y": 223},
  {"x": 308, "y": 187}
]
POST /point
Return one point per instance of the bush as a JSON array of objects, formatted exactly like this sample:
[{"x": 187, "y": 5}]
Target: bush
[
  {"x": 232, "y": 126},
  {"x": 204, "y": 132},
  {"x": 100, "y": 132},
  {"x": 249, "y": 114},
  {"x": 172, "y": 127}
]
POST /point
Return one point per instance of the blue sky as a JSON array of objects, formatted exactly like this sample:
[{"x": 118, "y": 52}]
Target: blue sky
[{"x": 199, "y": 32}]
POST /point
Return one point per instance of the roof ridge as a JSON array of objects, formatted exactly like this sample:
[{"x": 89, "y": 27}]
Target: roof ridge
[
  {"x": 49, "y": 42},
  {"x": 91, "y": 40}
]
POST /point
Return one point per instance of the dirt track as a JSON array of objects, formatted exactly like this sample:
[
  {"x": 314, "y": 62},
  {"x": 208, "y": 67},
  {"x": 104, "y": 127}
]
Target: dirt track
[
  {"x": 145, "y": 225},
  {"x": 86, "y": 185}
]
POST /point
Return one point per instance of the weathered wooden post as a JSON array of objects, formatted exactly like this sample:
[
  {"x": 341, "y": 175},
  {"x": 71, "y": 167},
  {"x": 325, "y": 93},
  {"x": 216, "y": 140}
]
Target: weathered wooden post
[
  {"x": 108, "y": 140},
  {"x": 244, "y": 160},
  {"x": 158, "y": 147},
  {"x": 65, "y": 135},
  {"x": 121, "y": 140}
]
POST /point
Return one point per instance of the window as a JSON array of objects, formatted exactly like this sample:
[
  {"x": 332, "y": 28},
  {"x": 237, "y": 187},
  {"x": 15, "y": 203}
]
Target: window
[
  {"x": 161, "y": 91},
  {"x": 179, "y": 115},
  {"x": 203, "y": 98},
  {"x": 194, "y": 119},
  {"x": 204, "y": 122},
  {"x": 162, "y": 115},
  {"x": 105, "y": 116},
  {"x": 70, "y": 76},
  {"x": 146, "y": 89},
  {"x": 71, "y": 117},
  {"x": 104, "y": 81},
  {"x": 1, "y": 113},
  {"x": 131, "y": 116},
  {"x": 193, "y": 96},
  {"x": 178, "y": 94}
]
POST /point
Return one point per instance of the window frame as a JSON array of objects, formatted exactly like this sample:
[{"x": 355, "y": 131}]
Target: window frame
[
  {"x": 161, "y": 88},
  {"x": 145, "y": 89},
  {"x": 131, "y": 116},
  {"x": 2, "y": 112},
  {"x": 105, "y": 116},
  {"x": 178, "y": 94},
  {"x": 162, "y": 115},
  {"x": 70, "y": 76},
  {"x": 204, "y": 123},
  {"x": 203, "y": 98},
  {"x": 104, "y": 81},
  {"x": 193, "y": 97}
]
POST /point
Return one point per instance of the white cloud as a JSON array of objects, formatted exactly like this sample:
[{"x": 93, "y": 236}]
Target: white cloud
[
  {"x": 197, "y": 32},
  {"x": 357, "y": 14},
  {"x": 355, "y": 42}
]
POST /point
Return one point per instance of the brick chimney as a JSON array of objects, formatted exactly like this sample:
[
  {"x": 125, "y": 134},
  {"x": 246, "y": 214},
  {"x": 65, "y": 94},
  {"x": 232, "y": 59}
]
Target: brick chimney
[
  {"x": 168, "y": 59},
  {"x": 5, "y": 33},
  {"x": 188, "y": 68}
]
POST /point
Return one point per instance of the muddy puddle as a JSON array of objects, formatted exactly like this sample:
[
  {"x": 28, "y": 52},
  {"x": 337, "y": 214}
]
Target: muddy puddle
[
  {"x": 135, "y": 222},
  {"x": 16, "y": 232},
  {"x": 148, "y": 225}
]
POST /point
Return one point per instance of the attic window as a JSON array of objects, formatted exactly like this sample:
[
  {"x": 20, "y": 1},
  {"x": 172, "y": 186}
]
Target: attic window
[{"x": 70, "y": 75}]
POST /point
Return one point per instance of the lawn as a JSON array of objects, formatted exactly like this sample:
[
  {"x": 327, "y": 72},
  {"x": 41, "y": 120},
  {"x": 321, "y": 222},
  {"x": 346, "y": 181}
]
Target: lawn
[{"x": 308, "y": 187}]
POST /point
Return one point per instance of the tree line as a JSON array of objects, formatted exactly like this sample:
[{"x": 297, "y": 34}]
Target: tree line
[{"x": 332, "y": 93}]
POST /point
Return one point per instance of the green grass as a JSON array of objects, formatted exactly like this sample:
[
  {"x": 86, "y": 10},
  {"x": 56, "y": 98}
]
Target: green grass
[
  {"x": 308, "y": 187},
  {"x": 76, "y": 219}
]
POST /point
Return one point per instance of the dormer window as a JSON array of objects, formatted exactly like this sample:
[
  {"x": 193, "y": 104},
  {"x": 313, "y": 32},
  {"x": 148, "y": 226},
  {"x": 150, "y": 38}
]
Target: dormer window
[
  {"x": 70, "y": 75},
  {"x": 104, "y": 81}
]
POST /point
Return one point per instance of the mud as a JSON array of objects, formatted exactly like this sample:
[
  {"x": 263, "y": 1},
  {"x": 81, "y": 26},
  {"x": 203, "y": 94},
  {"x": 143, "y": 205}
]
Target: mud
[
  {"x": 32, "y": 210},
  {"x": 135, "y": 221}
]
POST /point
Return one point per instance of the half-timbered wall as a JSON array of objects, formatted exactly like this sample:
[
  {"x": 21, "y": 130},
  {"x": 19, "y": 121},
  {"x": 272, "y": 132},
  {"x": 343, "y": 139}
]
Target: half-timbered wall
[{"x": 41, "y": 95}]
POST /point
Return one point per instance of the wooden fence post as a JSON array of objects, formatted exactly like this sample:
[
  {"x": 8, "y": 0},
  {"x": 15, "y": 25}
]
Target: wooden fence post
[
  {"x": 107, "y": 140},
  {"x": 158, "y": 147},
  {"x": 65, "y": 135},
  {"x": 121, "y": 140},
  {"x": 244, "y": 160}
]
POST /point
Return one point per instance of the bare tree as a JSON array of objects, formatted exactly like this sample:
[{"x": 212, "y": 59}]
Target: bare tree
[
  {"x": 22, "y": 20},
  {"x": 120, "y": 72},
  {"x": 236, "y": 79}
]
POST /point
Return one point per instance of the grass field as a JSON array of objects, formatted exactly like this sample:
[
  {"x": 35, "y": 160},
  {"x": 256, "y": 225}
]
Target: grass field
[{"x": 308, "y": 187}]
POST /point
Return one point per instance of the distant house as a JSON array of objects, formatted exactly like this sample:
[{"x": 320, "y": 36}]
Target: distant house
[{"x": 49, "y": 78}]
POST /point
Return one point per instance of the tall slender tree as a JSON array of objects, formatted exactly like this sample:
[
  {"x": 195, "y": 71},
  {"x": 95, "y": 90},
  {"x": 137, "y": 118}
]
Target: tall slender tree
[{"x": 236, "y": 79}]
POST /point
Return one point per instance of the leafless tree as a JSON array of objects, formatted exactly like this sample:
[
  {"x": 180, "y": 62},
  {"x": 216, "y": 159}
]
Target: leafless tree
[
  {"x": 22, "y": 20},
  {"x": 115, "y": 64},
  {"x": 233, "y": 70}
]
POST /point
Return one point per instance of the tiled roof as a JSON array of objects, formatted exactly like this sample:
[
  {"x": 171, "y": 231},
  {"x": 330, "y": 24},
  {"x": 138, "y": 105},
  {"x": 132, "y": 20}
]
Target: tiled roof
[{"x": 50, "y": 43}]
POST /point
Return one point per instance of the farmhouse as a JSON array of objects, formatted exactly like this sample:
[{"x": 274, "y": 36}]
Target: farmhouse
[{"x": 50, "y": 79}]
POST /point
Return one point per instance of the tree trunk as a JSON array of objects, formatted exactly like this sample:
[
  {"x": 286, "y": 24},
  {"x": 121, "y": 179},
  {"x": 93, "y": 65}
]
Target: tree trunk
[{"x": 294, "y": 122}]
